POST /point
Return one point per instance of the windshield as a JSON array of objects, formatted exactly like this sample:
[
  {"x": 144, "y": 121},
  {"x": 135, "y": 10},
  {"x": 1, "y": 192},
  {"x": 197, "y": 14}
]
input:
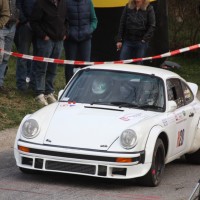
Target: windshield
[{"x": 116, "y": 88}]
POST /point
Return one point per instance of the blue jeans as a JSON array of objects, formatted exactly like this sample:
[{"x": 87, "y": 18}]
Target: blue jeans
[
  {"x": 136, "y": 49},
  {"x": 45, "y": 73},
  {"x": 24, "y": 67},
  {"x": 76, "y": 51},
  {"x": 6, "y": 41}
]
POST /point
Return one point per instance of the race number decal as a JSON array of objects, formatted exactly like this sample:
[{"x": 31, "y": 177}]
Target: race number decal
[{"x": 180, "y": 138}]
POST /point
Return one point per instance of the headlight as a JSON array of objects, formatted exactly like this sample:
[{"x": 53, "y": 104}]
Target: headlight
[
  {"x": 128, "y": 139},
  {"x": 30, "y": 129}
]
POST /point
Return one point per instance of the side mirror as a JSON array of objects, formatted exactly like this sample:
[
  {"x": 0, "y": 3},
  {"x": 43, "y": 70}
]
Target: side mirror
[
  {"x": 172, "y": 106},
  {"x": 60, "y": 94}
]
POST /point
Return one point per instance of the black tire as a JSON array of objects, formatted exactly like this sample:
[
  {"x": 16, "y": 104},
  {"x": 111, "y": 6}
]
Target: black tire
[
  {"x": 193, "y": 158},
  {"x": 154, "y": 176}
]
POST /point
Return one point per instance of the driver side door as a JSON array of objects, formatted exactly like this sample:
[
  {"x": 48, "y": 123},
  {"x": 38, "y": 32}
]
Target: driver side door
[{"x": 183, "y": 115}]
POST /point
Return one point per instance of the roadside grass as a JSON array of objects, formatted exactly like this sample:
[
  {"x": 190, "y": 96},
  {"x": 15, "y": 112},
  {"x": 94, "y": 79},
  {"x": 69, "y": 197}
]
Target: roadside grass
[
  {"x": 190, "y": 66},
  {"x": 16, "y": 105}
]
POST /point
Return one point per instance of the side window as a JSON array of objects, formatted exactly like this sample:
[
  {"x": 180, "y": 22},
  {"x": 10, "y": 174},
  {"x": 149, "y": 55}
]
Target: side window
[
  {"x": 174, "y": 91},
  {"x": 189, "y": 97}
]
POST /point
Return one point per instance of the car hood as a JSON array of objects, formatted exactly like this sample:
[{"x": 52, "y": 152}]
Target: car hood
[{"x": 90, "y": 127}]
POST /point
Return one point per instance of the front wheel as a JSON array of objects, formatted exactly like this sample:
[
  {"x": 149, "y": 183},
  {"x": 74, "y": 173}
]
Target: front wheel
[{"x": 154, "y": 176}]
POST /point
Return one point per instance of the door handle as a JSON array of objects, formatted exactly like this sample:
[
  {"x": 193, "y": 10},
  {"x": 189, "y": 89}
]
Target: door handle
[{"x": 191, "y": 115}]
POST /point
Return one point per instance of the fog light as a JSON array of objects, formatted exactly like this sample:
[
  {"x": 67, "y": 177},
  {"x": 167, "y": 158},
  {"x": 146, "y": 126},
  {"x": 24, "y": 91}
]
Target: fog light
[
  {"x": 124, "y": 160},
  {"x": 24, "y": 149}
]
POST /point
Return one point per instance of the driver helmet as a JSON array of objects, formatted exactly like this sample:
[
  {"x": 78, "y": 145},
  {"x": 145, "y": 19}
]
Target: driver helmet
[{"x": 100, "y": 86}]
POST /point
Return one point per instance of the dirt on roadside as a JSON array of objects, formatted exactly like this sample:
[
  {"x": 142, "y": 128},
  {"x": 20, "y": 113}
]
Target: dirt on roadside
[{"x": 7, "y": 138}]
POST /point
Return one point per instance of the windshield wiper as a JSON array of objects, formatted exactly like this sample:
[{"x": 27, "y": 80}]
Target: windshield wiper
[
  {"x": 129, "y": 105},
  {"x": 116, "y": 103},
  {"x": 146, "y": 106},
  {"x": 100, "y": 103},
  {"x": 124, "y": 104}
]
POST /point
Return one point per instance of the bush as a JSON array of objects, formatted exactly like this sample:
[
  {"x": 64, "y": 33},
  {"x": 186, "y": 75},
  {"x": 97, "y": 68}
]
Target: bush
[{"x": 184, "y": 23}]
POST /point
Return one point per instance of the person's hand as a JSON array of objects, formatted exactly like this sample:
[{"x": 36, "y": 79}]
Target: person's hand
[
  {"x": 64, "y": 38},
  {"x": 46, "y": 38},
  {"x": 28, "y": 25},
  {"x": 17, "y": 22},
  {"x": 119, "y": 45}
]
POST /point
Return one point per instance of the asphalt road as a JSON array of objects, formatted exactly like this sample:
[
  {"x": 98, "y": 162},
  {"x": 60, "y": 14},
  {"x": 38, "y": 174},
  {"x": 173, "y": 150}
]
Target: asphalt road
[{"x": 180, "y": 179}]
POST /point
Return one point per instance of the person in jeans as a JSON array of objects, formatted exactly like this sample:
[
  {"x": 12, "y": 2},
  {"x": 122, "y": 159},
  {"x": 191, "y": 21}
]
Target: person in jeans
[
  {"x": 24, "y": 39},
  {"x": 82, "y": 23},
  {"x": 136, "y": 29},
  {"x": 49, "y": 22},
  {"x": 8, "y": 20}
]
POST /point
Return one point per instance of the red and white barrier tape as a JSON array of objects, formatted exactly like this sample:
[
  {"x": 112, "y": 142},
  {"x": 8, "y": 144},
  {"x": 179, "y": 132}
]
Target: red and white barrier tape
[{"x": 73, "y": 62}]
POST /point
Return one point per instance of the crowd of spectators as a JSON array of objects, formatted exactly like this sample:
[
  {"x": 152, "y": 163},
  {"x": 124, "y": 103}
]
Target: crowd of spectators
[{"x": 44, "y": 27}]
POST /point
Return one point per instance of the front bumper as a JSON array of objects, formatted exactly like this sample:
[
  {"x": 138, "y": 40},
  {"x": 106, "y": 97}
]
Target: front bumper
[{"x": 82, "y": 162}]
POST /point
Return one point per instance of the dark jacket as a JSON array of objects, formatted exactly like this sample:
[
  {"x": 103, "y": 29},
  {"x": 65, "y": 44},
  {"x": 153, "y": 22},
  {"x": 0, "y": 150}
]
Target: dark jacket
[
  {"x": 25, "y": 10},
  {"x": 82, "y": 19},
  {"x": 137, "y": 25},
  {"x": 50, "y": 20}
]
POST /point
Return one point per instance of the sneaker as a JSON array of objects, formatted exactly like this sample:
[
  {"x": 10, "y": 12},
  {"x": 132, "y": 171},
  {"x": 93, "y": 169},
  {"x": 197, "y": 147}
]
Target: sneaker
[
  {"x": 40, "y": 99},
  {"x": 50, "y": 98},
  {"x": 4, "y": 90},
  {"x": 28, "y": 79}
]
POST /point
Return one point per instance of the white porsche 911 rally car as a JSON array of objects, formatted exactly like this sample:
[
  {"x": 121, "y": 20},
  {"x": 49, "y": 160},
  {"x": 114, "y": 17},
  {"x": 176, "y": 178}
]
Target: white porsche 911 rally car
[{"x": 114, "y": 121}]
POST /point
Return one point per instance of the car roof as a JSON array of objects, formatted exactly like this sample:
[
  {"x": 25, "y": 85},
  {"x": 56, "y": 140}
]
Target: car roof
[{"x": 164, "y": 74}]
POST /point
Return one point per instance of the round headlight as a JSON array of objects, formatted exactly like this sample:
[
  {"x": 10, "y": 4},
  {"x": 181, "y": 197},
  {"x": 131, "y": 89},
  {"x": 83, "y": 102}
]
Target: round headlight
[
  {"x": 30, "y": 129},
  {"x": 128, "y": 139}
]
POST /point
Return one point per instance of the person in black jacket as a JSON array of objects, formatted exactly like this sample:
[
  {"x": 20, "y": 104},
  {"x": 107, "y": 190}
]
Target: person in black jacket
[
  {"x": 136, "y": 28},
  {"x": 49, "y": 23}
]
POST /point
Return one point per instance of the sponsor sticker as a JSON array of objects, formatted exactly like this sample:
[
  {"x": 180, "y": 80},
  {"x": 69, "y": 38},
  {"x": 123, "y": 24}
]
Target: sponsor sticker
[
  {"x": 180, "y": 116},
  {"x": 68, "y": 104},
  {"x": 129, "y": 117},
  {"x": 165, "y": 122},
  {"x": 180, "y": 138}
]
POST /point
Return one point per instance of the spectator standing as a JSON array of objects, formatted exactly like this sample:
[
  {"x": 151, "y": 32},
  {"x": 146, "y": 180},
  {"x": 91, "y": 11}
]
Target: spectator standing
[
  {"x": 82, "y": 23},
  {"x": 49, "y": 23},
  {"x": 24, "y": 39},
  {"x": 8, "y": 20},
  {"x": 136, "y": 28}
]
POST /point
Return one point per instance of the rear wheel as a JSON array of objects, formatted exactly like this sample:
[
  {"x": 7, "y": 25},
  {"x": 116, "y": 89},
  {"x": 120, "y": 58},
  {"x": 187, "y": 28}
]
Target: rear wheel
[
  {"x": 154, "y": 176},
  {"x": 193, "y": 158}
]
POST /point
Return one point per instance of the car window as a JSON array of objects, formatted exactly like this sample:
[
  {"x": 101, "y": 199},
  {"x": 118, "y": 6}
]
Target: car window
[
  {"x": 188, "y": 95},
  {"x": 174, "y": 91},
  {"x": 112, "y": 87}
]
